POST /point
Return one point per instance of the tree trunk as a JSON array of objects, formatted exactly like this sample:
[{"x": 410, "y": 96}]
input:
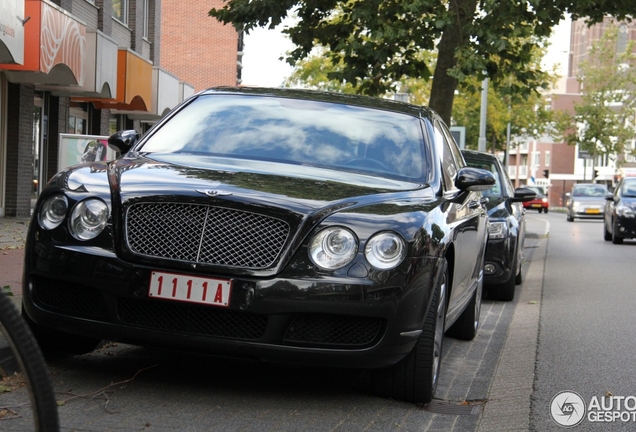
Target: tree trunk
[{"x": 455, "y": 35}]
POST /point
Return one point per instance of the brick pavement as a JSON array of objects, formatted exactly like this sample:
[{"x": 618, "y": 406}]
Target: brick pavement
[{"x": 13, "y": 233}]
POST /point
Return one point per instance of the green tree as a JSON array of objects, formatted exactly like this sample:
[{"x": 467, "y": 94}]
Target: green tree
[
  {"x": 526, "y": 114},
  {"x": 317, "y": 72},
  {"x": 378, "y": 41},
  {"x": 604, "y": 118}
]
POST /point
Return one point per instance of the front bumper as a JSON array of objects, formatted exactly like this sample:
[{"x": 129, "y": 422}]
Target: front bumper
[
  {"x": 498, "y": 261},
  {"x": 625, "y": 227},
  {"x": 587, "y": 212},
  {"x": 319, "y": 321}
]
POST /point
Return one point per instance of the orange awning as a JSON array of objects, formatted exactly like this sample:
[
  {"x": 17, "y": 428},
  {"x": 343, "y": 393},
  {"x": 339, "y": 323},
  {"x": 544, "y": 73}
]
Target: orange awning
[
  {"x": 54, "y": 47},
  {"x": 134, "y": 84}
]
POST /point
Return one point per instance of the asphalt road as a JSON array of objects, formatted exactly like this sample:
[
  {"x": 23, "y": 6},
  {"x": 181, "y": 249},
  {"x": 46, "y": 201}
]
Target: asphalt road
[
  {"x": 126, "y": 388},
  {"x": 587, "y": 339}
]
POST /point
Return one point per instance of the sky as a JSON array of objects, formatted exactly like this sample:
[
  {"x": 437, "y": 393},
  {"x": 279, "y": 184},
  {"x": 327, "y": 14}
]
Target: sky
[
  {"x": 261, "y": 52},
  {"x": 263, "y": 48}
]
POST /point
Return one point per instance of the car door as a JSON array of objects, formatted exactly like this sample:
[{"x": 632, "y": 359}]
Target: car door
[{"x": 467, "y": 220}]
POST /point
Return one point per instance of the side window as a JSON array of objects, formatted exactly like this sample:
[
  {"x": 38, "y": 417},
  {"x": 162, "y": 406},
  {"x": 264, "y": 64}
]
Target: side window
[
  {"x": 449, "y": 164},
  {"x": 459, "y": 159}
]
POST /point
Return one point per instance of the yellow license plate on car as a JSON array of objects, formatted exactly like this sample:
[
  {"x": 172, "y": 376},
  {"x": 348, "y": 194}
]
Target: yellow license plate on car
[
  {"x": 592, "y": 211},
  {"x": 536, "y": 205},
  {"x": 191, "y": 289}
]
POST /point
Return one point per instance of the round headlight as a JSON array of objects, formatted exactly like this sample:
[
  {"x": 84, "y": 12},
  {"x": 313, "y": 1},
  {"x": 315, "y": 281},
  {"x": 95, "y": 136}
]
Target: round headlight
[
  {"x": 385, "y": 250},
  {"x": 53, "y": 212},
  {"x": 88, "y": 219},
  {"x": 625, "y": 211},
  {"x": 333, "y": 248}
]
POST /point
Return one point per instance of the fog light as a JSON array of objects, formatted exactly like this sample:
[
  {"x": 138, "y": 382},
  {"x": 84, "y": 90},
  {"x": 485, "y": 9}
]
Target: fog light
[{"x": 489, "y": 268}]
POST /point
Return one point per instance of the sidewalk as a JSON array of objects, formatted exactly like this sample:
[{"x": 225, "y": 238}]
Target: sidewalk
[{"x": 13, "y": 232}]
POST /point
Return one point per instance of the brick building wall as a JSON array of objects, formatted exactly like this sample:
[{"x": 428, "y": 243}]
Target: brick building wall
[
  {"x": 19, "y": 171},
  {"x": 196, "y": 47},
  {"x": 582, "y": 38}
]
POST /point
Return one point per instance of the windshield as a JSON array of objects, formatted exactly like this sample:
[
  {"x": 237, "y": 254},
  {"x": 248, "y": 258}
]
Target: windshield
[
  {"x": 589, "y": 191},
  {"x": 303, "y": 132},
  {"x": 629, "y": 189},
  {"x": 496, "y": 190}
]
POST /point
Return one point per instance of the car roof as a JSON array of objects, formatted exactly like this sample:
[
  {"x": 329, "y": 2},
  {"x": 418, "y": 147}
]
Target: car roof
[
  {"x": 332, "y": 97},
  {"x": 479, "y": 155}
]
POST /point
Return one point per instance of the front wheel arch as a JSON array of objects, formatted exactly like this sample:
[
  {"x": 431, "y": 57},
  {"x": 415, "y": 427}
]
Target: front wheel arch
[{"x": 415, "y": 377}]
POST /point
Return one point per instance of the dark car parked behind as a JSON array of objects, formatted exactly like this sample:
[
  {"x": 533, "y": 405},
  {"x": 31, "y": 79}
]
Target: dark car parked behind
[
  {"x": 507, "y": 228},
  {"x": 280, "y": 225},
  {"x": 619, "y": 220}
]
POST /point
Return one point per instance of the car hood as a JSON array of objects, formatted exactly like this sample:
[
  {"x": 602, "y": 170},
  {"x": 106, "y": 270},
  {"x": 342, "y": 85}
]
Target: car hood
[
  {"x": 629, "y": 202},
  {"x": 303, "y": 196},
  {"x": 301, "y": 189}
]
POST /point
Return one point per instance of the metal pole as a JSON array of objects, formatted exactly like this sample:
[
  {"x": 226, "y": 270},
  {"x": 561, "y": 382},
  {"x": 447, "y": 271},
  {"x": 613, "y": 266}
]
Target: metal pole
[
  {"x": 507, "y": 152},
  {"x": 482, "y": 118}
]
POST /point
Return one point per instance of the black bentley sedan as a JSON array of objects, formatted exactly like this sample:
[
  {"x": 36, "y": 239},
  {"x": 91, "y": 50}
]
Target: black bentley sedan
[
  {"x": 619, "y": 215},
  {"x": 271, "y": 224},
  {"x": 507, "y": 228}
]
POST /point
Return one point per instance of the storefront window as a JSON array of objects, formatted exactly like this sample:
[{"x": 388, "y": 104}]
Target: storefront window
[{"x": 77, "y": 121}]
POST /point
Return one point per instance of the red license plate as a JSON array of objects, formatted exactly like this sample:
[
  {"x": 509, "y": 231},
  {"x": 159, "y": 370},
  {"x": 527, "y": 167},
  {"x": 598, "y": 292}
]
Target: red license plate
[{"x": 192, "y": 289}]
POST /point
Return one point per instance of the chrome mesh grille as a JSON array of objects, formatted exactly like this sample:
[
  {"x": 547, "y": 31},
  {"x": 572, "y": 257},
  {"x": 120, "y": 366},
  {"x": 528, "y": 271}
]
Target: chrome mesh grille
[{"x": 205, "y": 234}]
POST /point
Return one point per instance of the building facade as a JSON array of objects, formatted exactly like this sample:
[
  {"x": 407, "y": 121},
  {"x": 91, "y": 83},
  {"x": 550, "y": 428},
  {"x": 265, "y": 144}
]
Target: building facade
[
  {"x": 196, "y": 47},
  {"x": 92, "y": 67},
  {"x": 565, "y": 165}
]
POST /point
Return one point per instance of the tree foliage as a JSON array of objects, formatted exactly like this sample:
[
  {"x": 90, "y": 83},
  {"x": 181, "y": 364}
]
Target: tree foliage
[
  {"x": 604, "y": 118},
  {"x": 377, "y": 42},
  {"x": 317, "y": 72},
  {"x": 525, "y": 113}
]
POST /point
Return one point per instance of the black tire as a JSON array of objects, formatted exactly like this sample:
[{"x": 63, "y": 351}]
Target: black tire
[
  {"x": 31, "y": 363},
  {"x": 570, "y": 218},
  {"x": 616, "y": 239},
  {"x": 607, "y": 236},
  {"x": 506, "y": 290},
  {"x": 540, "y": 210},
  {"x": 545, "y": 210},
  {"x": 467, "y": 325},
  {"x": 414, "y": 378},
  {"x": 57, "y": 342}
]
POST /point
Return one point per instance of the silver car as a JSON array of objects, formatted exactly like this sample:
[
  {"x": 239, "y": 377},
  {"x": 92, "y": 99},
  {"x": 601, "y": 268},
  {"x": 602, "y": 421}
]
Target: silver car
[{"x": 586, "y": 201}]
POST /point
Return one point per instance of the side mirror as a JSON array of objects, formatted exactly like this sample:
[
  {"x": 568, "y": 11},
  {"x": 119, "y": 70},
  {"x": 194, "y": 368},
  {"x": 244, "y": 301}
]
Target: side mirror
[
  {"x": 523, "y": 195},
  {"x": 609, "y": 197},
  {"x": 122, "y": 141},
  {"x": 474, "y": 179}
]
